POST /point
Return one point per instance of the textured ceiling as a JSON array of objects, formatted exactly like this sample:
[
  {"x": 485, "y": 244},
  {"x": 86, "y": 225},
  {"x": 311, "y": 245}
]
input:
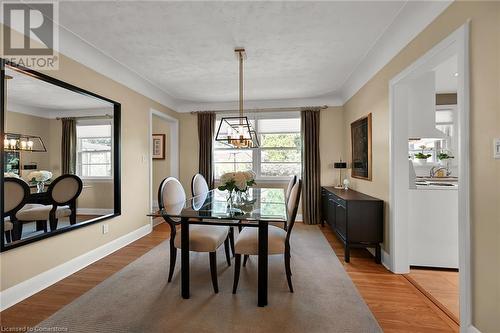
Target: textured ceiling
[{"x": 295, "y": 49}]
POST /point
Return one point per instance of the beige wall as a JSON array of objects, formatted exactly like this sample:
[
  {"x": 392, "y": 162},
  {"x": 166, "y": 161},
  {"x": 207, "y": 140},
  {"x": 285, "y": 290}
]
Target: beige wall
[
  {"x": 20, "y": 123},
  {"x": 22, "y": 263},
  {"x": 161, "y": 168},
  {"x": 331, "y": 144},
  {"x": 485, "y": 125}
]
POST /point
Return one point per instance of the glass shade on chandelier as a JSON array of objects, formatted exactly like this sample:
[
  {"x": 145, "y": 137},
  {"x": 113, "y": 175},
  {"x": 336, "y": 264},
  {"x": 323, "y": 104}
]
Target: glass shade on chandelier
[
  {"x": 20, "y": 142},
  {"x": 236, "y": 132}
]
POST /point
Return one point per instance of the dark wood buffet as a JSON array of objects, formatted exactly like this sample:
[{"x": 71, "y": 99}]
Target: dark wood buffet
[{"x": 356, "y": 218}]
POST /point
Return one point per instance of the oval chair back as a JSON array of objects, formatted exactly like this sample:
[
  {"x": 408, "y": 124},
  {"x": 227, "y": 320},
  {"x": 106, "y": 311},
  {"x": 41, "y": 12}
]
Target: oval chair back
[
  {"x": 293, "y": 207},
  {"x": 170, "y": 193},
  {"x": 65, "y": 189},
  {"x": 291, "y": 183},
  {"x": 199, "y": 185},
  {"x": 16, "y": 194}
]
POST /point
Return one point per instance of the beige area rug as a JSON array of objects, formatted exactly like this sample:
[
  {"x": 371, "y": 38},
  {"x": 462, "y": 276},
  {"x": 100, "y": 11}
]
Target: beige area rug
[{"x": 139, "y": 299}]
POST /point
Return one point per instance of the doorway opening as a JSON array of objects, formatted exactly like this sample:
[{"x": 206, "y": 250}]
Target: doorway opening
[
  {"x": 163, "y": 152},
  {"x": 429, "y": 191}
]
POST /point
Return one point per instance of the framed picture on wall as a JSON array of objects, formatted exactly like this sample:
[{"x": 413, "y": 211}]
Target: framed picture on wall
[
  {"x": 12, "y": 162},
  {"x": 361, "y": 147},
  {"x": 158, "y": 146}
]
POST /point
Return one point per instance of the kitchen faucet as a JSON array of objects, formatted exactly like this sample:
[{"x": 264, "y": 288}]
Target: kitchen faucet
[{"x": 433, "y": 171}]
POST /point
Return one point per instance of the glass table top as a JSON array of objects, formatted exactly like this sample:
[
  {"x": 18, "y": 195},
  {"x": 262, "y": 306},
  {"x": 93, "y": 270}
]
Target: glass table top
[{"x": 258, "y": 204}]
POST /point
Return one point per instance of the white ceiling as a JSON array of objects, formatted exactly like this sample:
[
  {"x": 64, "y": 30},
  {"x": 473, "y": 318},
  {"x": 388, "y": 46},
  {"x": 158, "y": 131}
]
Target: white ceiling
[
  {"x": 295, "y": 49},
  {"x": 26, "y": 94}
]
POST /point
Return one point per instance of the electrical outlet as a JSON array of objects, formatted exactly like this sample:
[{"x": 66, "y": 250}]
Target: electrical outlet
[
  {"x": 496, "y": 148},
  {"x": 105, "y": 228}
]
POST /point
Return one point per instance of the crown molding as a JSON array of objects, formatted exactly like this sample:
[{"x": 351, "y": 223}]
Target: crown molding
[
  {"x": 53, "y": 113},
  {"x": 329, "y": 100},
  {"x": 411, "y": 20},
  {"x": 87, "y": 54},
  {"x": 414, "y": 17}
]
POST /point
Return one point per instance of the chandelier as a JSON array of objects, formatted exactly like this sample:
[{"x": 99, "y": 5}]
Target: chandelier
[{"x": 237, "y": 132}]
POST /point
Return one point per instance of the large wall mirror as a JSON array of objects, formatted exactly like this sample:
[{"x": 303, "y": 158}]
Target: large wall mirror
[{"x": 60, "y": 157}]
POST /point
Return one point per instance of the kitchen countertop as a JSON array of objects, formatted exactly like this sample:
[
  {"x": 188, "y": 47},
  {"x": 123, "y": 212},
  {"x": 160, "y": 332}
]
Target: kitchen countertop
[{"x": 438, "y": 183}]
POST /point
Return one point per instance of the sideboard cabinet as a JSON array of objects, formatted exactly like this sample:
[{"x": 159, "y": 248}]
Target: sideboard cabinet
[{"x": 356, "y": 218}]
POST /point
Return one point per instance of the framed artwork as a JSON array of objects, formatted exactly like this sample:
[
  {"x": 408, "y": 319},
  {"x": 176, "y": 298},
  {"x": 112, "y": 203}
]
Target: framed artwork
[
  {"x": 158, "y": 147},
  {"x": 361, "y": 147},
  {"x": 12, "y": 162}
]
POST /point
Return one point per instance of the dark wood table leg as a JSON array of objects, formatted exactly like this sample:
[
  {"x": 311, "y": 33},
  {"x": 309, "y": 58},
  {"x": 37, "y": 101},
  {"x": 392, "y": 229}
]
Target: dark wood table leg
[
  {"x": 185, "y": 258},
  {"x": 263, "y": 253}
]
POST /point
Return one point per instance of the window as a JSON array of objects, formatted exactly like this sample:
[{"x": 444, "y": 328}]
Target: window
[
  {"x": 94, "y": 151},
  {"x": 279, "y": 153}
]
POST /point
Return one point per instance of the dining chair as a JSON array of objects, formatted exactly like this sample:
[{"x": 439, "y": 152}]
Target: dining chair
[
  {"x": 62, "y": 193},
  {"x": 291, "y": 182},
  {"x": 199, "y": 186},
  {"x": 16, "y": 194},
  {"x": 247, "y": 242},
  {"x": 202, "y": 238}
]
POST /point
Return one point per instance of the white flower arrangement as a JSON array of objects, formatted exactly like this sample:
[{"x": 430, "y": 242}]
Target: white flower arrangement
[
  {"x": 39, "y": 176},
  {"x": 237, "y": 181}
]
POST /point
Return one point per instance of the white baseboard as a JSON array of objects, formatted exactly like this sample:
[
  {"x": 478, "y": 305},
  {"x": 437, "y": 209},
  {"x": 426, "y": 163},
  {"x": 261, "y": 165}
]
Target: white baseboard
[
  {"x": 25, "y": 289},
  {"x": 94, "y": 211},
  {"x": 472, "y": 329},
  {"x": 298, "y": 218}
]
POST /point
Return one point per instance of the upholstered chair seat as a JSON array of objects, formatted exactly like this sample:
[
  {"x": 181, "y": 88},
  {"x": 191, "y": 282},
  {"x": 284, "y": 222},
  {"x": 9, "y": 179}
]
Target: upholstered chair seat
[
  {"x": 278, "y": 242},
  {"x": 36, "y": 212},
  {"x": 204, "y": 238},
  {"x": 248, "y": 241}
]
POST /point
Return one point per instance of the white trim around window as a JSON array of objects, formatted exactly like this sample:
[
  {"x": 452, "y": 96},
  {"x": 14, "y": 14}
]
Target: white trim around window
[{"x": 256, "y": 153}]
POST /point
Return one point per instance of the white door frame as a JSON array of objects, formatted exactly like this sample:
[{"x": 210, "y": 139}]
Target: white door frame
[
  {"x": 173, "y": 144},
  {"x": 458, "y": 43}
]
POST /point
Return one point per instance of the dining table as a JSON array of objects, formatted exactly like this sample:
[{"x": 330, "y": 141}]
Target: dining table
[{"x": 255, "y": 208}]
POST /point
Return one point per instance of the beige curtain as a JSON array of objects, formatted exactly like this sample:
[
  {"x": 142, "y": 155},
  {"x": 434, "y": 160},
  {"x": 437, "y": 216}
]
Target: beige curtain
[
  {"x": 206, "y": 136},
  {"x": 68, "y": 145},
  {"x": 311, "y": 167}
]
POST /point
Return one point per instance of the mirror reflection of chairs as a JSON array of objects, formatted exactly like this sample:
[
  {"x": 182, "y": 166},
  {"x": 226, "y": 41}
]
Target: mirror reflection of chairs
[{"x": 62, "y": 194}]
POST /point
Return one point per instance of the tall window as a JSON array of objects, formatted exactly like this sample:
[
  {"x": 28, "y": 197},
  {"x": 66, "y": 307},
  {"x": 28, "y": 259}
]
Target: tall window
[
  {"x": 94, "y": 151},
  {"x": 279, "y": 153}
]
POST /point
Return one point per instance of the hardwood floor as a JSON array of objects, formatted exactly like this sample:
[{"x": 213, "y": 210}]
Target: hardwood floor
[
  {"x": 441, "y": 286},
  {"x": 40, "y": 306},
  {"x": 396, "y": 303}
]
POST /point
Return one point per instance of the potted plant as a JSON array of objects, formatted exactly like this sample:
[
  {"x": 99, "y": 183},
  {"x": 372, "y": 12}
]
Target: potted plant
[
  {"x": 444, "y": 157},
  {"x": 421, "y": 157}
]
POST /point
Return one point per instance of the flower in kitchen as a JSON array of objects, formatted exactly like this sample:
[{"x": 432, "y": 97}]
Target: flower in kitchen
[{"x": 40, "y": 176}]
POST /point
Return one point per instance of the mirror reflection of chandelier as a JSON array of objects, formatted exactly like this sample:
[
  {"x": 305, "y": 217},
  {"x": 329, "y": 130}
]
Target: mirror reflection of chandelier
[
  {"x": 237, "y": 132},
  {"x": 21, "y": 142}
]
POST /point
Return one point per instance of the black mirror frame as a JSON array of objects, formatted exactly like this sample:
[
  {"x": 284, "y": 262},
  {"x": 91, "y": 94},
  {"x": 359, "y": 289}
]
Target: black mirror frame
[{"x": 116, "y": 152}]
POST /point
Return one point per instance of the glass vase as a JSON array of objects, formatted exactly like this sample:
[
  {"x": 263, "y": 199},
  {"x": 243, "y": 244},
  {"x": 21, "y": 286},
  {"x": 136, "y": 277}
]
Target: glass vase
[{"x": 40, "y": 187}]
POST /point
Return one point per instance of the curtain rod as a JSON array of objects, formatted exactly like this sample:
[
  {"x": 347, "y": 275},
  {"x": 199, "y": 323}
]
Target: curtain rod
[
  {"x": 106, "y": 116},
  {"x": 321, "y": 107}
]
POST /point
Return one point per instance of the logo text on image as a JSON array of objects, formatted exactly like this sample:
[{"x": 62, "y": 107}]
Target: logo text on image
[{"x": 30, "y": 34}]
